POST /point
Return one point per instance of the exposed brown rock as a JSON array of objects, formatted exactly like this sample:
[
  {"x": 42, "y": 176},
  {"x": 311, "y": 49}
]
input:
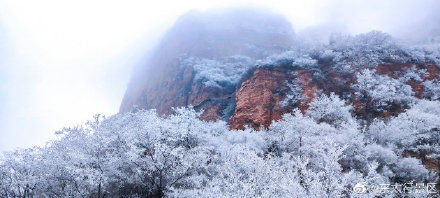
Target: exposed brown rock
[
  {"x": 432, "y": 164},
  {"x": 416, "y": 87},
  {"x": 305, "y": 81},
  {"x": 258, "y": 100},
  {"x": 397, "y": 70},
  {"x": 393, "y": 70}
]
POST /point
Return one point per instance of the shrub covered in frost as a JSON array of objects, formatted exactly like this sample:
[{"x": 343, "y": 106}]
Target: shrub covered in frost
[
  {"x": 344, "y": 53},
  {"x": 382, "y": 89},
  {"x": 220, "y": 73},
  {"x": 432, "y": 89},
  {"x": 369, "y": 49}
]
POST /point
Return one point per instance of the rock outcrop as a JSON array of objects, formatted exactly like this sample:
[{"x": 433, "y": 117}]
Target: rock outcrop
[
  {"x": 164, "y": 82},
  {"x": 258, "y": 100},
  {"x": 259, "y": 96}
]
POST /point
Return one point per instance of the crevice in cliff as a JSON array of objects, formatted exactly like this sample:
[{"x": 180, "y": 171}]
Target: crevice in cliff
[{"x": 188, "y": 87}]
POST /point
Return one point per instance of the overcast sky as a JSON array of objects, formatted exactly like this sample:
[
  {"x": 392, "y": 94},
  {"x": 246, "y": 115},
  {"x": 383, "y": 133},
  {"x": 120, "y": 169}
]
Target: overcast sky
[{"x": 63, "y": 61}]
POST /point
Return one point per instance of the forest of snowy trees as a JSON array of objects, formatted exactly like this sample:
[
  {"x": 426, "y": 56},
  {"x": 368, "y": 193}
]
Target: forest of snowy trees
[{"x": 324, "y": 152}]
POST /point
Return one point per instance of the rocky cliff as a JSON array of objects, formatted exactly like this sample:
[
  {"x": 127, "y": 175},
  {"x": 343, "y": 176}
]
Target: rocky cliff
[
  {"x": 246, "y": 67},
  {"x": 260, "y": 96},
  {"x": 167, "y": 80}
]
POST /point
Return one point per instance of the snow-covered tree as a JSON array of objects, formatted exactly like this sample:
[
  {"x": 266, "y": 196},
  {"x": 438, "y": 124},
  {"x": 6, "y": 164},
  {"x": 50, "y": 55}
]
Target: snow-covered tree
[
  {"x": 294, "y": 94},
  {"x": 219, "y": 73},
  {"x": 369, "y": 49},
  {"x": 432, "y": 89},
  {"x": 320, "y": 154},
  {"x": 332, "y": 110},
  {"x": 19, "y": 173}
]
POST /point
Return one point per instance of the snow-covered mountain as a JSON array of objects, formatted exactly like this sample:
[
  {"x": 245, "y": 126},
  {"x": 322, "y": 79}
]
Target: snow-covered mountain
[
  {"x": 234, "y": 104},
  {"x": 247, "y": 67}
]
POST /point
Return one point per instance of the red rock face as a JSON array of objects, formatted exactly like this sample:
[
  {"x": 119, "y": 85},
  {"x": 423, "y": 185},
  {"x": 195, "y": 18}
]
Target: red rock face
[
  {"x": 259, "y": 96},
  {"x": 309, "y": 87},
  {"x": 258, "y": 100}
]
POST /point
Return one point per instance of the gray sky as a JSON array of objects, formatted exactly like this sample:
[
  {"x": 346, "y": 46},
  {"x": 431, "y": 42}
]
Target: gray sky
[{"x": 63, "y": 61}]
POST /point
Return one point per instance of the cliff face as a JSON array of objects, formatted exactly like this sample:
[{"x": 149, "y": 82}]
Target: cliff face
[
  {"x": 165, "y": 81},
  {"x": 213, "y": 62},
  {"x": 258, "y": 100}
]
